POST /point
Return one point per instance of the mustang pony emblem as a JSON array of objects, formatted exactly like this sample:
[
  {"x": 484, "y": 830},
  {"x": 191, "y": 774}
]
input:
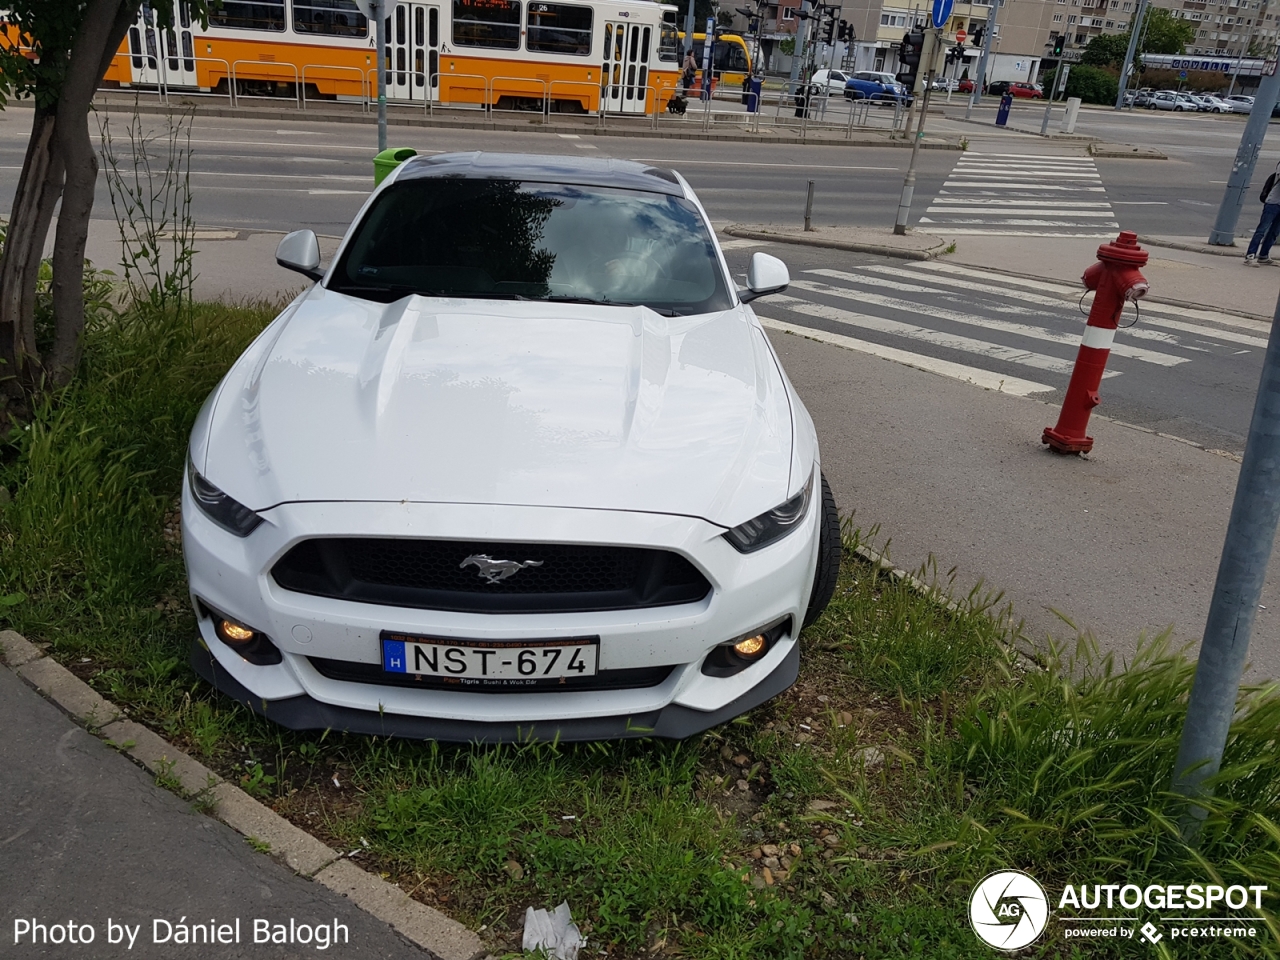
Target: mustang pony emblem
[{"x": 495, "y": 570}]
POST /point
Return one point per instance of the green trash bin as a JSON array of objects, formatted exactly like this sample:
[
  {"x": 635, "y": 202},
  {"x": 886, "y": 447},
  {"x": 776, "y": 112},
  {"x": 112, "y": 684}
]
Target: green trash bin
[{"x": 388, "y": 160}]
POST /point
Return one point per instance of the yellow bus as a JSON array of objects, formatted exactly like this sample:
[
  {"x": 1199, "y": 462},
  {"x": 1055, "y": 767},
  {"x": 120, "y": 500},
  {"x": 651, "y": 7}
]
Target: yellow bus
[
  {"x": 730, "y": 60},
  {"x": 621, "y": 56}
]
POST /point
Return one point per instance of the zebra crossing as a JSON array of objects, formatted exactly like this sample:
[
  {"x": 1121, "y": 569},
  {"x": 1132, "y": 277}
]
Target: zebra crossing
[
  {"x": 1022, "y": 195},
  {"x": 1015, "y": 335}
]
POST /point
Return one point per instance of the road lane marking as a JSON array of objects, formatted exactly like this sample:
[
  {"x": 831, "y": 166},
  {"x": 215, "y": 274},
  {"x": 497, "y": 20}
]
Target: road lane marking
[
  {"x": 1029, "y": 331},
  {"x": 937, "y": 338},
  {"x": 751, "y": 163},
  {"x": 1014, "y": 386},
  {"x": 1154, "y": 313}
]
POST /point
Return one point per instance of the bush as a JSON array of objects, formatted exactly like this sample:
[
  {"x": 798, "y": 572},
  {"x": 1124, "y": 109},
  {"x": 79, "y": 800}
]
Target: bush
[{"x": 1092, "y": 84}]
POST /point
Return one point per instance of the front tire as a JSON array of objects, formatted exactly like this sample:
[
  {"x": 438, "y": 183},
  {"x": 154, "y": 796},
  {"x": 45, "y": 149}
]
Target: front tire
[{"x": 829, "y": 553}]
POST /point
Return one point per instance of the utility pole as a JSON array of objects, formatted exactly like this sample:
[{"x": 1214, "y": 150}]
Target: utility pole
[
  {"x": 379, "y": 8},
  {"x": 1134, "y": 33},
  {"x": 932, "y": 43},
  {"x": 799, "y": 48},
  {"x": 1255, "y": 130},
  {"x": 1053, "y": 95},
  {"x": 688, "y": 30},
  {"x": 1241, "y": 571},
  {"x": 988, "y": 34}
]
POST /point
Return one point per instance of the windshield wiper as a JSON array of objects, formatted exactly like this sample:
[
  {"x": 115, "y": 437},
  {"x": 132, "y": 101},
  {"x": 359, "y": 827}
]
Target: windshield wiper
[
  {"x": 396, "y": 290},
  {"x": 558, "y": 298}
]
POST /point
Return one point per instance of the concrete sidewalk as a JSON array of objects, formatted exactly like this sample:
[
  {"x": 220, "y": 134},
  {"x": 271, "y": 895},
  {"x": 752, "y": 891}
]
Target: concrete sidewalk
[{"x": 88, "y": 837}]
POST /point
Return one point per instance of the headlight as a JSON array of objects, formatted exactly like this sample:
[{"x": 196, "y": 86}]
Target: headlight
[
  {"x": 773, "y": 524},
  {"x": 229, "y": 514}
]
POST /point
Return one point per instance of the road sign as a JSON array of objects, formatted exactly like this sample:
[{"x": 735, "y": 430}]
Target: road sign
[
  {"x": 1182, "y": 75},
  {"x": 961, "y": 36},
  {"x": 942, "y": 12}
]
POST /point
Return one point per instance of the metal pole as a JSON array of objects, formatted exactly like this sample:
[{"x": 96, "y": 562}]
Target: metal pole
[
  {"x": 380, "y": 14},
  {"x": 1135, "y": 30},
  {"x": 798, "y": 50},
  {"x": 688, "y": 30},
  {"x": 808, "y": 210},
  {"x": 1241, "y": 571},
  {"x": 1255, "y": 130},
  {"x": 1053, "y": 95},
  {"x": 987, "y": 33},
  {"x": 909, "y": 182}
]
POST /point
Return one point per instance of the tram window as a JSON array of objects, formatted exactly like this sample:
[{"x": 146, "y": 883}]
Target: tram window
[
  {"x": 135, "y": 47},
  {"x": 730, "y": 56},
  {"x": 258, "y": 15},
  {"x": 339, "y": 18},
  {"x": 487, "y": 23},
  {"x": 559, "y": 28},
  {"x": 669, "y": 43}
]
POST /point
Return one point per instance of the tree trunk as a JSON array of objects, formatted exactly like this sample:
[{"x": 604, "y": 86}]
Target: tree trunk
[
  {"x": 38, "y": 189},
  {"x": 101, "y": 31}
]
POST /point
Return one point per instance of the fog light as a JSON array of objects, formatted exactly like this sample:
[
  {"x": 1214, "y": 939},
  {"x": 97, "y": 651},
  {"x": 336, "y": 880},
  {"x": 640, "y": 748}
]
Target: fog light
[
  {"x": 751, "y": 647},
  {"x": 234, "y": 633}
]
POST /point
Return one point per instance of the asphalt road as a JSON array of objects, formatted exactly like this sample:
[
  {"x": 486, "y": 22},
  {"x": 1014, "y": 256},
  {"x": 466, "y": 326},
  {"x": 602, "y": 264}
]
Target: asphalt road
[
  {"x": 1176, "y": 197},
  {"x": 282, "y": 174}
]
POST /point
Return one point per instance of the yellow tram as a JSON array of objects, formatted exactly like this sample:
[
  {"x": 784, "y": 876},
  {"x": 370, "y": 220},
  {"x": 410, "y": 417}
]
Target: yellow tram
[
  {"x": 730, "y": 60},
  {"x": 619, "y": 55}
]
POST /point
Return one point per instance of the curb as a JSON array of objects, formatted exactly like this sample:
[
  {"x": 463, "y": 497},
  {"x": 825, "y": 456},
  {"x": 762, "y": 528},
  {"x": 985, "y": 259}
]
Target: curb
[
  {"x": 512, "y": 127},
  {"x": 1113, "y": 152},
  {"x": 1232, "y": 251},
  {"x": 883, "y": 250},
  {"x": 440, "y": 936}
]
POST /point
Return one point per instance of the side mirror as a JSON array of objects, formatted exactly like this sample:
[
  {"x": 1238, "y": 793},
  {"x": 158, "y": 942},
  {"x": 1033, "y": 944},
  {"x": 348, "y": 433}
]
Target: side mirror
[
  {"x": 300, "y": 251},
  {"x": 765, "y": 275}
]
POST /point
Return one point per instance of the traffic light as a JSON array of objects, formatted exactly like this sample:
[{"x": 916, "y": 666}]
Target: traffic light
[
  {"x": 955, "y": 54},
  {"x": 978, "y": 34},
  {"x": 828, "y": 32},
  {"x": 909, "y": 52},
  {"x": 1058, "y": 43},
  {"x": 845, "y": 31}
]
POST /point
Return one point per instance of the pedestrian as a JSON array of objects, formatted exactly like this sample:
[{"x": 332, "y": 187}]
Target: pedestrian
[
  {"x": 1268, "y": 224},
  {"x": 690, "y": 72}
]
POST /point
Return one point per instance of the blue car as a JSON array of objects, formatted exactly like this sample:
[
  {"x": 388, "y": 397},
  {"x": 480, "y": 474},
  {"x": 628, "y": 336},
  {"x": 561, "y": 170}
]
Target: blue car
[{"x": 875, "y": 85}]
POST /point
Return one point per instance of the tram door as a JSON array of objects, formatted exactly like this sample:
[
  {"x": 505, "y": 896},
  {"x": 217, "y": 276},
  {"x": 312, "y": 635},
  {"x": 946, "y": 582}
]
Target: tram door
[
  {"x": 624, "y": 74},
  {"x": 159, "y": 56},
  {"x": 413, "y": 52}
]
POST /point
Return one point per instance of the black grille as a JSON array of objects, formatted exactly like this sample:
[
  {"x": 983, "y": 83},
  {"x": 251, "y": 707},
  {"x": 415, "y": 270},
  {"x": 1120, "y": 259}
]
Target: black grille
[
  {"x": 428, "y": 574},
  {"x": 604, "y": 680}
]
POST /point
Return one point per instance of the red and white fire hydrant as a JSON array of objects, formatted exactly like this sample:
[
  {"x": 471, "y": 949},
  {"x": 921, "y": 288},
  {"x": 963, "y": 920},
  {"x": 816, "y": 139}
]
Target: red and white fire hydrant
[{"x": 1116, "y": 280}]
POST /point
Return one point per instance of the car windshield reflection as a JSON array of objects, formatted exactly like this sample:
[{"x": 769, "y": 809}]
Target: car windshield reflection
[{"x": 505, "y": 239}]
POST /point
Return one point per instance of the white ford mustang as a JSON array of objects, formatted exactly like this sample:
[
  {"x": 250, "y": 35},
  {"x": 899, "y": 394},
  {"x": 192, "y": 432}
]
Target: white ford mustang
[{"x": 520, "y": 464}]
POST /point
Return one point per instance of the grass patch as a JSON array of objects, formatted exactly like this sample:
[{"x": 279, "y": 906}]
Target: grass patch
[{"x": 849, "y": 818}]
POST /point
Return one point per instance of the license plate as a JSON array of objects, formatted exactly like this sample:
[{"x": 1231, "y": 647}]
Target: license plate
[{"x": 507, "y": 663}]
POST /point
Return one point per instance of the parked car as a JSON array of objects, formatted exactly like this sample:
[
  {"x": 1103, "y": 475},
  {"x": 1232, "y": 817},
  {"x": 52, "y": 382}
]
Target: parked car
[
  {"x": 1215, "y": 104},
  {"x": 876, "y": 85},
  {"x": 519, "y": 464},
  {"x": 1019, "y": 90},
  {"x": 944, "y": 84},
  {"x": 833, "y": 80},
  {"x": 1142, "y": 98},
  {"x": 1240, "y": 103},
  {"x": 1173, "y": 101},
  {"x": 965, "y": 86}
]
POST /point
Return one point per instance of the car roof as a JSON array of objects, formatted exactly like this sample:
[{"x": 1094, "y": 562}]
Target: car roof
[{"x": 533, "y": 168}]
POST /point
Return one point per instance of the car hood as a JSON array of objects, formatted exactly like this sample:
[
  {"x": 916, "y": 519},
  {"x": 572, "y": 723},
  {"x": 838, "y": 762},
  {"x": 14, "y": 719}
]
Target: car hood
[{"x": 503, "y": 402}]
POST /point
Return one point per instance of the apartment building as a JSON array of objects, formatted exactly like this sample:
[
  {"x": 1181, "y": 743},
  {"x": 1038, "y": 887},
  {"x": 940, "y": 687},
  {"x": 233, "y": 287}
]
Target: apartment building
[{"x": 1018, "y": 48}]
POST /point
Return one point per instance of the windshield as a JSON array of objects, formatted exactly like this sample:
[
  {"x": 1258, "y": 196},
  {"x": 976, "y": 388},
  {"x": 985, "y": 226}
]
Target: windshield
[{"x": 502, "y": 239}]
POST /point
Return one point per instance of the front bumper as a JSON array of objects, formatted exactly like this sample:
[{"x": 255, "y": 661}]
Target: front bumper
[
  {"x": 232, "y": 576},
  {"x": 673, "y": 722}
]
